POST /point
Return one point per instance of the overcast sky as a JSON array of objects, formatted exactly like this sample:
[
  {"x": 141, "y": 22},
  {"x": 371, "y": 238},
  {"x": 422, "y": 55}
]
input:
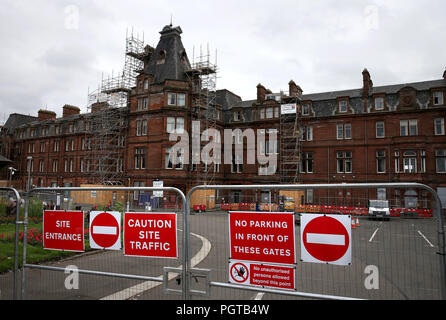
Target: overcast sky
[{"x": 52, "y": 52}]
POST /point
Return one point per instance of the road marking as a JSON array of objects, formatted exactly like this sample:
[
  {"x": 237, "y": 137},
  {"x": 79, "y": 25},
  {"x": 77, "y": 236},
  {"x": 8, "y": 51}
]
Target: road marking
[
  {"x": 373, "y": 235},
  {"x": 147, "y": 285},
  {"x": 329, "y": 239},
  {"x": 259, "y": 296},
  {"x": 424, "y": 237}
]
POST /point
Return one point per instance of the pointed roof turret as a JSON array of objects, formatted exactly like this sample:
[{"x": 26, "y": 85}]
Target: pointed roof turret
[{"x": 169, "y": 61}]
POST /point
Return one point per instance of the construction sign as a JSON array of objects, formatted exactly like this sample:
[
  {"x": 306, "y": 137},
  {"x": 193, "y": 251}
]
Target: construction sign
[
  {"x": 150, "y": 235},
  {"x": 105, "y": 230},
  {"x": 266, "y": 237},
  {"x": 263, "y": 275},
  {"x": 63, "y": 230},
  {"x": 326, "y": 239}
]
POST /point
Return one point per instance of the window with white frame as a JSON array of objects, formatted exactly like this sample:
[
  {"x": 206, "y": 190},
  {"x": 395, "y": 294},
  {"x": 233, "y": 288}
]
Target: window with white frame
[
  {"x": 175, "y": 125},
  {"x": 143, "y": 103},
  {"x": 408, "y": 128},
  {"x": 176, "y": 99},
  {"x": 440, "y": 160},
  {"x": 140, "y": 158},
  {"x": 344, "y": 131},
  {"x": 379, "y": 103},
  {"x": 438, "y": 98},
  {"x": 344, "y": 161},
  {"x": 171, "y": 98},
  {"x": 397, "y": 161},
  {"x": 237, "y": 163},
  {"x": 55, "y": 165},
  {"x": 381, "y": 161},
  {"x": 410, "y": 162},
  {"x": 137, "y": 184},
  {"x": 305, "y": 109},
  {"x": 236, "y": 115},
  {"x": 380, "y": 130},
  {"x": 141, "y": 127},
  {"x": 439, "y": 126},
  {"x": 181, "y": 99},
  {"x": 340, "y": 131},
  {"x": 347, "y": 131},
  {"x": 423, "y": 161},
  {"x": 342, "y": 106},
  {"x": 269, "y": 112},
  {"x": 169, "y": 159}
]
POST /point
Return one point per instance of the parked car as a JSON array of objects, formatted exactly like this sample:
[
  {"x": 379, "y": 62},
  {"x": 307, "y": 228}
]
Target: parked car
[{"x": 379, "y": 209}]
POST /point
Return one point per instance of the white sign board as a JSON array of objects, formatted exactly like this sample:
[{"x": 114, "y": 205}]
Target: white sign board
[
  {"x": 289, "y": 108},
  {"x": 158, "y": 184},
  {"x": 105, "y": 230}
]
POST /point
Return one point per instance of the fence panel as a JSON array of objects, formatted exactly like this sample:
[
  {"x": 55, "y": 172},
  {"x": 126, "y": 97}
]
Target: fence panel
[
  {"x": 10, "y": 203},
  {"x": 97, "y": 273},
  {"x": 402, "y": 258}
]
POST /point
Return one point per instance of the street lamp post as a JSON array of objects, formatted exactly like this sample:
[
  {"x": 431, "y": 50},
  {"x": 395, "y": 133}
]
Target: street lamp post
[
  {"x": 28, "y": 182},
  {"x": 11, "y": 173}
]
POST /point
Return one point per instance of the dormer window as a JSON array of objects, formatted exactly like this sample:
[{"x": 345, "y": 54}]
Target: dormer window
[
  {"x": 236, "y": 115},
  {"x": 161, "y": 57},
  {"x": 438, "y": 98},
  {"x": 183, "y": 56},
  {"x": 342, "y": 106},
  {"x": 379, "y": 103},
  {"x": 306, "y": 109}
]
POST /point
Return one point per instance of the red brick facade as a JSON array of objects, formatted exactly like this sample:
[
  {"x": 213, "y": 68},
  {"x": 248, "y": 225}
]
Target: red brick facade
[{"x": 372, "y": 134}]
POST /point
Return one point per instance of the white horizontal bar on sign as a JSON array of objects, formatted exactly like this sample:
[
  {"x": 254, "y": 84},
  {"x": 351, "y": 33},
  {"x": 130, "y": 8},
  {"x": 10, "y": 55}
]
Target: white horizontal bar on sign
[
  {"x": 329, "y": 239},
  {"x": 104, "y": 230}
]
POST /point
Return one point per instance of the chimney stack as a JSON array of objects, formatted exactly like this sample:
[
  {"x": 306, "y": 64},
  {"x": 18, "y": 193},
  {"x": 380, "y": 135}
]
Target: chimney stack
[
  {"x": 367, "y": 83},
  {"x": 43, "y": 115},
  {"x": 98, "y": 106},
  {"x": 261, "y": 91},
  {"x": 444, "y": 74},
  {"x": 294, "y": 89},
  {"x": 70, "y": 110}
]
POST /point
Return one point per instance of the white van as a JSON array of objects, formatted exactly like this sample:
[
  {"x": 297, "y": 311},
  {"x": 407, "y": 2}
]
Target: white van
[{"x": 379, "y": 209}]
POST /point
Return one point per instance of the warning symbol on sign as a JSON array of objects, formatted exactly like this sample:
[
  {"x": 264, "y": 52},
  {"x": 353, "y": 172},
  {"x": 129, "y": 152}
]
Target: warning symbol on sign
[{"x": 238, "y": 273}]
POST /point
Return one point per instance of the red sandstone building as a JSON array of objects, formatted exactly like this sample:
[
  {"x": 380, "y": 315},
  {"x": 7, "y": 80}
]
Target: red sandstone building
[{"x": 393, "y": 133}]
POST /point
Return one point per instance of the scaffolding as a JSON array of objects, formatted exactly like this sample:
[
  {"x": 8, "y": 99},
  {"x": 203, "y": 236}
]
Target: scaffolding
[
  {"x": 105, "y": 134},
  {"x": 203, "y": 79},
  {"x": 290, "y": 137}
]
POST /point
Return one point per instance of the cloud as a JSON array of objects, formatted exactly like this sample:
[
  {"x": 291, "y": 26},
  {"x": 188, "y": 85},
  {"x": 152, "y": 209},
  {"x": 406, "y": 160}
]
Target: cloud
[{"x": 53, "y": 52}]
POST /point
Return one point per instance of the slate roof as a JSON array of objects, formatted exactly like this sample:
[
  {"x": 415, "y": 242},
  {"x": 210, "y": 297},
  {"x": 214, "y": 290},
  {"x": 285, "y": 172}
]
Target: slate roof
[
  {"x": 389, "y": 89},
  {"x": 16, "y": 120},
  {"x": 173, "y": 68}
]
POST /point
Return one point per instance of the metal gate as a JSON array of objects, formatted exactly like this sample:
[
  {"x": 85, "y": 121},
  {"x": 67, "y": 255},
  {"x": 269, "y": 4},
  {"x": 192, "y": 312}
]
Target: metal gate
[
  {"x": 403, "y": 254},
  {"x": 106, "y": 275}
]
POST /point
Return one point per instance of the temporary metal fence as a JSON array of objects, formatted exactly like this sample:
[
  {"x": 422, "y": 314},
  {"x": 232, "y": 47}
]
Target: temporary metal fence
[
  {"x": 16, "y": 239},
  {"x": 409, "y": 268},
  {"x": 149, "y": 281}
]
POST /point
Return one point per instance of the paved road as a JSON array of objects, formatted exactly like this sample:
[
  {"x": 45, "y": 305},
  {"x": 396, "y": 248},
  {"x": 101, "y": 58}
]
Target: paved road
[{"x": 404, "y": 250}]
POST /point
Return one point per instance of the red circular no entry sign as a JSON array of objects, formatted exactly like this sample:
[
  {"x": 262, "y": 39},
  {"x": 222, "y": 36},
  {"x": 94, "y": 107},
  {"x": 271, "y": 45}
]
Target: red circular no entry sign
[
  {"x": 104, "y": 230},
  {"x": 326, "y": 239}
]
